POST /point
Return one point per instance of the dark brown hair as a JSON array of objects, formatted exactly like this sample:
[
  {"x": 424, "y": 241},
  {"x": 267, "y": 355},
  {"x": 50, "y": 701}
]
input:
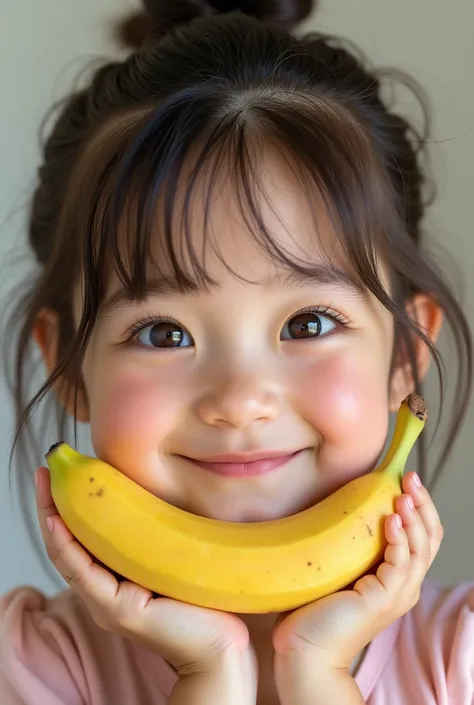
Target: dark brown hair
[{"x": 211, "y": 90}]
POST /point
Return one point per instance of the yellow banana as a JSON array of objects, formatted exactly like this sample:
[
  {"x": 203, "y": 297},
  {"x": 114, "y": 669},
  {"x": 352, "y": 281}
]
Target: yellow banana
[{"x": 239, "y": 567}]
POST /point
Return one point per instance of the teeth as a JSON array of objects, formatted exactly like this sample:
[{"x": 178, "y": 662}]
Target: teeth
[{"x": 250, "y": 567}]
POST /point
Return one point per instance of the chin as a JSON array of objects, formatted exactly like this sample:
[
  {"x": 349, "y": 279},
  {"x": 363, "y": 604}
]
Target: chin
[{"x": 251, "y": 511}]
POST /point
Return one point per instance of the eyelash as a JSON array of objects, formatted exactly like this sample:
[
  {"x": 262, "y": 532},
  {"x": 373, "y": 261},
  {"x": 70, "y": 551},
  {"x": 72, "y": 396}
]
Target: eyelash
[
  {"x": 143, "y": 323},
  {"x": 138, "y": 326},
  {"x": 333, "y": 314}
]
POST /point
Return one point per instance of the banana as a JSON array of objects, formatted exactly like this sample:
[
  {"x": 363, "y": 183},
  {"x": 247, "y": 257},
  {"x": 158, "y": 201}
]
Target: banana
[{"x": 253, "y": 567}]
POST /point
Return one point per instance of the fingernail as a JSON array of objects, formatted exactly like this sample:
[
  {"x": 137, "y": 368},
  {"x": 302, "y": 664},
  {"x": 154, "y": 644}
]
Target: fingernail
[
  {"x": 50, "y": 523},
  {"x": 37, "y": 478},
  {"x": 416, "y": 479},
  {"x": 410, "y": 503},
  {"x": 398, "y": 521}
]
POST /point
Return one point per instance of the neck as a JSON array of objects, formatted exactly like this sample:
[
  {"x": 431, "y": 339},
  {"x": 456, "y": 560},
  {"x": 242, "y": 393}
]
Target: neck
[{"x": 260, "y": 628}]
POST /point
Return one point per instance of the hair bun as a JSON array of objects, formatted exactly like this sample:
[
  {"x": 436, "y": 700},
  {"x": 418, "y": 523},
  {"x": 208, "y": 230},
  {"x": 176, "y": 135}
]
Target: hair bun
[{"x": 160, "y": 16}]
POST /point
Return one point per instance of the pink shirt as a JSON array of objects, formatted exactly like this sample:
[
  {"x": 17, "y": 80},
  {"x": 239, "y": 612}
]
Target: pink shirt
[{"x": 53, "y": 653}]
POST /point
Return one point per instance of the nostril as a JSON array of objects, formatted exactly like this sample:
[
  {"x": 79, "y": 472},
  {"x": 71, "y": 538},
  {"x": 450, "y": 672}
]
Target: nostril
[{"x": 239, "y": 404}]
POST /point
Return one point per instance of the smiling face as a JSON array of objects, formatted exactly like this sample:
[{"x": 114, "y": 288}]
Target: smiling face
[{"x": 285, "y": 365}]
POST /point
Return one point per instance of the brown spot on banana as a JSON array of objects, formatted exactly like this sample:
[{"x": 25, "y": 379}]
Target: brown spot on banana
[{"x": 99, "y": 493}]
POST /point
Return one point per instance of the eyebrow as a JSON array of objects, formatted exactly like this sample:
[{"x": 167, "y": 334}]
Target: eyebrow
[{"x": 165, "y": 288}]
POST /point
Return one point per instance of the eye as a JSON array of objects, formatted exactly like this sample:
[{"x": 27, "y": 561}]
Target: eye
[
  {"x": 164, "y": 334},
  {"x": 308, "y": 325}
]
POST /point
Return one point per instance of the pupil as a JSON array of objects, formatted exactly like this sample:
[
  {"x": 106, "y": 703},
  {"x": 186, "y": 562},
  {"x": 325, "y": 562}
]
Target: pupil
[
  {"x": 306, "y": 325},
  {"x": 166, "y": 335}
]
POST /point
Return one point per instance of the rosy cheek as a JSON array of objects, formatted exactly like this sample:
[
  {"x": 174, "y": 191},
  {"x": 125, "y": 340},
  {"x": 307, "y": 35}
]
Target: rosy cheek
[
  {"x": 130, "y": 418},
  {"x": 346, "y": 402}
]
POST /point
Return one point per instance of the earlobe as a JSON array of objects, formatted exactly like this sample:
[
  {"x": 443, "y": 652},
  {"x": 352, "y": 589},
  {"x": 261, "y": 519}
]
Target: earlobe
[
  {"x": 428, "y": 315},
  {"x": 46, "y": 335}
]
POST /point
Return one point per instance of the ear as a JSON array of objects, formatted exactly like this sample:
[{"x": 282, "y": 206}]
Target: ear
[
  {"x": 46, "y": 336},
  {"x": 428, "y": 315}
]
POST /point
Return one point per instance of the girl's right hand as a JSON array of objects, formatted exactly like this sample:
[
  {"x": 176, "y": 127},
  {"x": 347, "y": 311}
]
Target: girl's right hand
[{"x": 209, "y": 649}]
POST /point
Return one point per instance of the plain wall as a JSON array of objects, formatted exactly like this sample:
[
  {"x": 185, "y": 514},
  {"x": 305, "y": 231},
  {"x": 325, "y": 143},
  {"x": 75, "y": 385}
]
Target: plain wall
[{"x": 43, "y": 45}]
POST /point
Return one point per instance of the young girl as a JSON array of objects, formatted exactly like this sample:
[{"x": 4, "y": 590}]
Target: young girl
[{"x": 228, "y": 232}]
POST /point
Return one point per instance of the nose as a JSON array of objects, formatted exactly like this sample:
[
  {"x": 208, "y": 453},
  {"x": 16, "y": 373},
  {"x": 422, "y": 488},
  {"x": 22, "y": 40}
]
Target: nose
[{"x": 240, "y": 401}]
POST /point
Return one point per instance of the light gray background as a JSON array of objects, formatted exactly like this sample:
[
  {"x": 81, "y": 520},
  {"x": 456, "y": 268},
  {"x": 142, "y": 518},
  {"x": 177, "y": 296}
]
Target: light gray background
[{"x": 44, "y": 44}]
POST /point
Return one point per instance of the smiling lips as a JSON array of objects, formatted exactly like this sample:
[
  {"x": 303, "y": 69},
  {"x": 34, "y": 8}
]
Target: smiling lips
[{"x": 250, "y": 465}]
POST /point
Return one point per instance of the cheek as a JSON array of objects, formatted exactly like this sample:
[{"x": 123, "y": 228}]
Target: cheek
[
  {"x": 130, "y": 416},
  {"x": 346, "y": 401}
]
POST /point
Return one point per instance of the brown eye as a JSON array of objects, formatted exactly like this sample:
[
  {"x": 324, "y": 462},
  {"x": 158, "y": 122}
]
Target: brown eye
[
  {"x": 308, "y": 325},
  {"x": 165, "y": 334}
]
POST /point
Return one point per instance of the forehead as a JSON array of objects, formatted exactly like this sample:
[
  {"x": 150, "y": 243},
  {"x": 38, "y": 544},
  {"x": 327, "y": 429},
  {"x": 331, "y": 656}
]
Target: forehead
[
  {"x": 237, "y": 257},
  {"x": 234, "y": 226}
]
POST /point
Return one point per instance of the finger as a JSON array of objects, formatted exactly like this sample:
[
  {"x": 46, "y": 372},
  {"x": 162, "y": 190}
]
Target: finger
[
  {"x": 392, "y": 572},
  {"x": 46, "y": 509},
  {"x": 79, "y": 568},
  {"x": 44, "y": 499},
  {"x": 420, "y": 549},
  {"x": 414, "y": 528},
  {"x": 427, "y": 511}
]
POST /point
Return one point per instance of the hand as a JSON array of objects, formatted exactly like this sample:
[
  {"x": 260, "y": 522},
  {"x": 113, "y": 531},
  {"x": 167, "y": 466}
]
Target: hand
[
  {"x": 325, "y": 636},
  {"x": 209, "y": 649}
]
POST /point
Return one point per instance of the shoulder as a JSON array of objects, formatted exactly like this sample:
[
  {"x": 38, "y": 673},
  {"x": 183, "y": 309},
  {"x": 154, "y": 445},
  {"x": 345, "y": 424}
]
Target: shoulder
[
  {"x": 35, "y": 649},
  {"x": 28, "y": 616},
  {"x": 28, "y": 603},
  {"x": 51, "y": 650},
  {"x": 434, "y": 652},
  {"x": 441, "y": 608}
]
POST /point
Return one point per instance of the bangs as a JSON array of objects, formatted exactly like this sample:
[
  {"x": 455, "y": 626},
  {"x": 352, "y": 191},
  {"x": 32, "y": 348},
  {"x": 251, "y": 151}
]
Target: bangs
[{"x": 152, "y": 167}]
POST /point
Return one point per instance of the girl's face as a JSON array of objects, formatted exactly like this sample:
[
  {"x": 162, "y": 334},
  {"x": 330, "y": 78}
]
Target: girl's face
[{"x": 284, "y": 366}]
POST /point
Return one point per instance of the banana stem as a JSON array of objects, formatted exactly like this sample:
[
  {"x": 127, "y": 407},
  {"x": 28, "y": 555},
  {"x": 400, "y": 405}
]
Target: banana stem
[{"x": 411, "y": 419}]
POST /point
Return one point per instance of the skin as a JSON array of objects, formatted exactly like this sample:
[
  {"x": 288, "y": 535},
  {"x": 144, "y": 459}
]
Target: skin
[{"x": 241, "y": 387}]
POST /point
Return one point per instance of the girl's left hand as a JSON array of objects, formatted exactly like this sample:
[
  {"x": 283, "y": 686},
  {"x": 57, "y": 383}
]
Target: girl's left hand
[{"x": 326, "y": 636}]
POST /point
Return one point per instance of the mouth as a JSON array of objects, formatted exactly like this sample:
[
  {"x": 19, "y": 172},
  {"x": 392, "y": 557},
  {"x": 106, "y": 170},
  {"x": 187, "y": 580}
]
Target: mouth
[{"x": 245, "y": 465}]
